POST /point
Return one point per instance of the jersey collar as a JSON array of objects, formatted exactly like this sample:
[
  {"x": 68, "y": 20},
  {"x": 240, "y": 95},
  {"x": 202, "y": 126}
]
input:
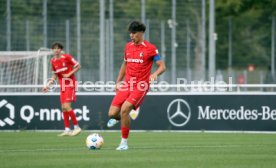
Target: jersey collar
[{"x": 143, "y": 43}]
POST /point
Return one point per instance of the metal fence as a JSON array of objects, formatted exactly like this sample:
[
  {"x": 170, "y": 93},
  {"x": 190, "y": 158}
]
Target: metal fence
[{"x": 95, "y": 32}]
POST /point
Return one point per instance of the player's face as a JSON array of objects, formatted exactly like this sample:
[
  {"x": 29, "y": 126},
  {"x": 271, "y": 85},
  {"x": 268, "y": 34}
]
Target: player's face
[
  {"x": 57, "y": 51},
  {"x": 136, "y": 37}
]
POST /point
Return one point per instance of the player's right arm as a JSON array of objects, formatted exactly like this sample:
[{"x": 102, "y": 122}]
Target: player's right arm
[
  {"x": 49, "y": 83},
  {"x": 121, "y": 75}
]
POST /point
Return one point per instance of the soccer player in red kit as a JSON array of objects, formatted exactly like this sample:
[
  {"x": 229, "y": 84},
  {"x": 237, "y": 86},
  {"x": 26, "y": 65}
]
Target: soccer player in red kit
[
  {"x": 136, "y": 71},
  {"x": 64, "y": 67}
]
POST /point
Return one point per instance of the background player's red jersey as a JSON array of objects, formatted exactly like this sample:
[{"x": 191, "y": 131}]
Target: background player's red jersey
[
  {"x": 64, "y": 65},
  {"x": 139, "y": 60}
]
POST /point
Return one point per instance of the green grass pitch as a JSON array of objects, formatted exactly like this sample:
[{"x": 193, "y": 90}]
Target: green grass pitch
[{"x": 146, "y": 150}]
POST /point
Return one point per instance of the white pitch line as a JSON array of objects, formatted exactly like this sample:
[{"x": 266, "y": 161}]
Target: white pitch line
[
  {"x": 157, "y": 131},
  {"x": 37, "y": 150},
  {"x": 131, "y": 148}
]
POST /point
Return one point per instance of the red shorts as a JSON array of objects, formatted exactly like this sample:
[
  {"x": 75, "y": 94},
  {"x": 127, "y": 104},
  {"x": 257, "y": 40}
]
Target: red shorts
[
  {"x": 135, "y": 97},
  {"x": 68, "y": 95}
]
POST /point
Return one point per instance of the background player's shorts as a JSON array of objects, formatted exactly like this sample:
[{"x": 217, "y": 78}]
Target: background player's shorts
[
  {"x": 68, "y": 95},
  {"x": 135, "y": 97}
]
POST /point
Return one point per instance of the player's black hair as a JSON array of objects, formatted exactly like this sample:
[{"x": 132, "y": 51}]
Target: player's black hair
[
  {"x": 57, "y": 44},
  {"x": 136, "y": 26}
]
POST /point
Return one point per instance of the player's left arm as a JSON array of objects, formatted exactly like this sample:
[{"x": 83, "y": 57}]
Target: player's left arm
[
  {"x": 161, "y": 68},
  {"x": 75, "y": 69},
  {"x": 74, "y": 63}
]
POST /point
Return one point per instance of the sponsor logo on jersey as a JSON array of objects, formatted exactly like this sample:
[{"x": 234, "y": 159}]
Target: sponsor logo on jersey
[
  {"x": 135, "y": 60},
  {"x": 61, "y": 70}
]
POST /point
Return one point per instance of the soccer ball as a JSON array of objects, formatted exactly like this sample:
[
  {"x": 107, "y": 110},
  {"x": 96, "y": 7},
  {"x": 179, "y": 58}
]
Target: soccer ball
[{"x": 94, "y": 141}]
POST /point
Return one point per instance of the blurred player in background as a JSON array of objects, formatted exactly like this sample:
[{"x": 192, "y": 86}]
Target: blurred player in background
[
  {"x": 136, "y": 71},
  {"x": 64, "y": 67}
]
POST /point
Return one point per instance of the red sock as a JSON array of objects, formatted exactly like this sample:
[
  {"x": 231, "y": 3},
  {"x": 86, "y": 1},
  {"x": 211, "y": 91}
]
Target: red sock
[
  {"x": 73, "y": 117},
  {"x": 66, "y": 119},
  {"x": 125, "y": 132}
]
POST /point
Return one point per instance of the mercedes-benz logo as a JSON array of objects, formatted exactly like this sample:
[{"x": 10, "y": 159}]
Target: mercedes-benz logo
[{"x": 179, "y": 112}]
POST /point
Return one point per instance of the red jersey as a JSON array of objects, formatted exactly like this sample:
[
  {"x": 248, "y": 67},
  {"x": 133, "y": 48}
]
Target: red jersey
[
  {"x": 64, "y": 65},
  {"x": 139, "y": 60}
]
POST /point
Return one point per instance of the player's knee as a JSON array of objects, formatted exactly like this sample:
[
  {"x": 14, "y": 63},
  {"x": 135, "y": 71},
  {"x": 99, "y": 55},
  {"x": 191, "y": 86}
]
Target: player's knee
[
  {"x": 112, "y": 114},
  {"x": 66, "y": 107},
  {"x": 126, "y": 110}
]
